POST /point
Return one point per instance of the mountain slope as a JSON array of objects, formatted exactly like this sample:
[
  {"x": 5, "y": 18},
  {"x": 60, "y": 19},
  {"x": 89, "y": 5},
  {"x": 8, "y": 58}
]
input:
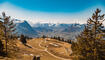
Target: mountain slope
[{"x": 22, "y": 27}]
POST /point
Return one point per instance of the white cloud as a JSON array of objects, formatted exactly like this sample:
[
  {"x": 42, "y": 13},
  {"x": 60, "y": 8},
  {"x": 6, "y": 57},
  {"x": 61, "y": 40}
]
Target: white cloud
[{"x": 45, "y": 17}]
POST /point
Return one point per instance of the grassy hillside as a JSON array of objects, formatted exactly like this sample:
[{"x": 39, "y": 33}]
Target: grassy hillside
[{"x": 47, "y": 49}]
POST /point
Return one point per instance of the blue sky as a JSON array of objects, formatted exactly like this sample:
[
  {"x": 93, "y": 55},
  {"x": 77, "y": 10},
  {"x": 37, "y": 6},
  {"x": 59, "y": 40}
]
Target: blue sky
[
  {"x": 51, "y": 10},
  {"x": 55, "y": 5}
]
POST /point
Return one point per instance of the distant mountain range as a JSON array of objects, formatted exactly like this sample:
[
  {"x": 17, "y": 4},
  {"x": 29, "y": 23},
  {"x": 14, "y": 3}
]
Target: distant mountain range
[{"x": 67, "y": 31}]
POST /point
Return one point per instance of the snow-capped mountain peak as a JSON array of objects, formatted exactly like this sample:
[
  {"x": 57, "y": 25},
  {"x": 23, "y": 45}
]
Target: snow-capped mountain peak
[{"x": 18, "y": 21}]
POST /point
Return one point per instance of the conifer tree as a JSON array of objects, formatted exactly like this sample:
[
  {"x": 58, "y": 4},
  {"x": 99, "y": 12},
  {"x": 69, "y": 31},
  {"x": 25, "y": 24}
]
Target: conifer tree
[
  {"x": 90, "y": 43},
  {"x": 44, "y": 36},
  {"x": 23, "y": 39},
  {"x": 8, "y": 28}
]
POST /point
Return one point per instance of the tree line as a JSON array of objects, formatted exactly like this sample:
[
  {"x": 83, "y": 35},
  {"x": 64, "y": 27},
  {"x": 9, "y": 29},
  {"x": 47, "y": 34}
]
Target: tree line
[{"x": 58, "y": 38}]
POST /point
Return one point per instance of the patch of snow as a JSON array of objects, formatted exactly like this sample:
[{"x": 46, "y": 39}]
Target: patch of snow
[
  {"x": 31, "y": 55},
  {"x": 18, "y": 21},
  {"x": 54, "y": 44}
]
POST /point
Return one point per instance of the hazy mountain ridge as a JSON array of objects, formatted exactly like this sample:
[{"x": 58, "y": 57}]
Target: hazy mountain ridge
[{"x": 67, "y": 31}]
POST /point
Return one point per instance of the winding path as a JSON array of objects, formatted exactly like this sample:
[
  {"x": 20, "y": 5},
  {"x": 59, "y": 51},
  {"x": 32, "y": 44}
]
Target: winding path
[
  {"x": 48, "y": 51},
  {"x": 51, "y": 53}
]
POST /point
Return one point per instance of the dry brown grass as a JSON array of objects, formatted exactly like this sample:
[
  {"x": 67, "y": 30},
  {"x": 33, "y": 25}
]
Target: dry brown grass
[{"x": 27, "y": 53}]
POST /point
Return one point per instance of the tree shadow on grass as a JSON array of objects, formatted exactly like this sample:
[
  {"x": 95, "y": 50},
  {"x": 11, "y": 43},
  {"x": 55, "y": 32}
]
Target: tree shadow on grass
[{"x": 27, "y": 46}]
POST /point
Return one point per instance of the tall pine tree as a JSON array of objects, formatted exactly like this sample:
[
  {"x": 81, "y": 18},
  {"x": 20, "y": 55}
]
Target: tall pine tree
[
  {"x": 90, "y": 43},
  {"x": 8, "y": 28}
]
